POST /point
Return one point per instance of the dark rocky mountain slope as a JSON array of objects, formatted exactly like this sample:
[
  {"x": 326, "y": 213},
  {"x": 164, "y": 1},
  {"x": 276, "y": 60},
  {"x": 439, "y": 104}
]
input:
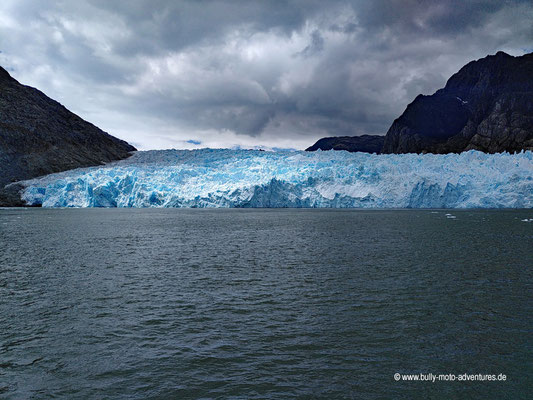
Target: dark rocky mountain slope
[
  {"x": 486, "y": 106},
  {"x": 364, "y": 143},
  {"x": 39, "y": 136}
]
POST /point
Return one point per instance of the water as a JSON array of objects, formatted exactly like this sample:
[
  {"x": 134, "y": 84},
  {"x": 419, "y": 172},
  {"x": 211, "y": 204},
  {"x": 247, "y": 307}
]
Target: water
[{"x": 270, "y": 304}]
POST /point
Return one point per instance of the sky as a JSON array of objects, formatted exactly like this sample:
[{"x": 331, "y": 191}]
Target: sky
[{"x": 250, "y": 74}]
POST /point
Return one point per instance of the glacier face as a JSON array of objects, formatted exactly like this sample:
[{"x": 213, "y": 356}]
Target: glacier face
[{"x": 251, "y": 178}]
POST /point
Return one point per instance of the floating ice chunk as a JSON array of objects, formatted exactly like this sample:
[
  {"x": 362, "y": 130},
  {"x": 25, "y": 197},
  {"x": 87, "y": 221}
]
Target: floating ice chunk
[{"x": 249, "y": 178}]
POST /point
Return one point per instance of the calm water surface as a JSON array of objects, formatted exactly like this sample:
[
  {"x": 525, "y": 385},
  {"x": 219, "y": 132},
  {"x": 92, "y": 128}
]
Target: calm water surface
[{"x": 266, "y": 304}]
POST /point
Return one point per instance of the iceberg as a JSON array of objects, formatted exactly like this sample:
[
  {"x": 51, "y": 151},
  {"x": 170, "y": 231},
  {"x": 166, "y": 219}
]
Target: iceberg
[{"x": 253, "y": 178}]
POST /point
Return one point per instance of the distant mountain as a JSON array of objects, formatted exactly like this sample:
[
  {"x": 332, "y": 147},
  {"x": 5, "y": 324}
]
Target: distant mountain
[
  {"x": 364, "y": 143},
  {"x": 39, "y": 136},
  {"x": 486, "y": 106}
]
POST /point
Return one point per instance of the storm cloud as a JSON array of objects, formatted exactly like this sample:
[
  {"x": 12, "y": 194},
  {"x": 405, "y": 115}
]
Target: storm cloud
[{"x": 188, "y": 74}]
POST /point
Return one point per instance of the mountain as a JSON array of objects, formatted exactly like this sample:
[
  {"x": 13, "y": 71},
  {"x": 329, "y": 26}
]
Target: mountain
[
  {"x": 39, "y": 136},
  {"x": 486, "y": 106},
  {"x": 364, "y": 143}
]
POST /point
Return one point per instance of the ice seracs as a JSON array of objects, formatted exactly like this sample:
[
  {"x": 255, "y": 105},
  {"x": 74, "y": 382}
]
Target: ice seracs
[{"x": 249, "y": 178}]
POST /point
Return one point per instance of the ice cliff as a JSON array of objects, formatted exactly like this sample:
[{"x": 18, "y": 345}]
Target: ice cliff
[{"x": 248, "y": 178}]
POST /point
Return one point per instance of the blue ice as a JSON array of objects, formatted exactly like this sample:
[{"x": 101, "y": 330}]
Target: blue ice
[{"x": 251, "y": 178}]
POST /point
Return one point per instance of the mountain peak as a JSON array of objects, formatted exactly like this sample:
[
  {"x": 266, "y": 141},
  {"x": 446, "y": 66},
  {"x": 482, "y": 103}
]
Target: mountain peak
[
  {"x": 485, "y": 106},
  {"x": 501, "y": 54}
]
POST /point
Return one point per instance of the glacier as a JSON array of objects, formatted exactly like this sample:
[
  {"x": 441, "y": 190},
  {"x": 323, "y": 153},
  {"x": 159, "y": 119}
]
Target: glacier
[{"x": 254, "y": 178}]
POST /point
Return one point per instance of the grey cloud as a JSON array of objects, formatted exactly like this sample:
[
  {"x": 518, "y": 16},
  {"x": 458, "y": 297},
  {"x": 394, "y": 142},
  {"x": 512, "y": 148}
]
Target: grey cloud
[
  {"x": 316, "y": 45},
  {"x": 270, "y": 71}
]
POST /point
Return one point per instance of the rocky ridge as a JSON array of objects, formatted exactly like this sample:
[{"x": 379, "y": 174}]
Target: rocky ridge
[{"x": 39, "y": 136}]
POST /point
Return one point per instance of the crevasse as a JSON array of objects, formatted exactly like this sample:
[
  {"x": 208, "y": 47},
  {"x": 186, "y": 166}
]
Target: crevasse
[{"x": 250, "y": 178}]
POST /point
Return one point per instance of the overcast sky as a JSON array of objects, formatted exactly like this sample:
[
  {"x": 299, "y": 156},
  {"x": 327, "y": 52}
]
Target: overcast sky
[{"x": 188, "y": 74}]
